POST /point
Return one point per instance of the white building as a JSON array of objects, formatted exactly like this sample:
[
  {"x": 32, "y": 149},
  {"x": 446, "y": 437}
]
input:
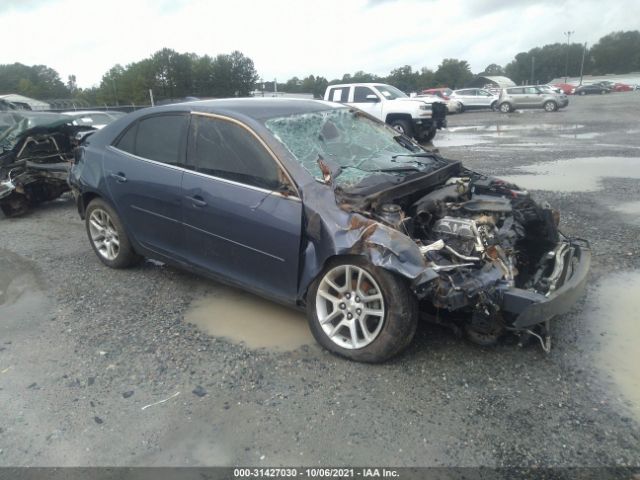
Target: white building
[{"x": 21, "y": 99}]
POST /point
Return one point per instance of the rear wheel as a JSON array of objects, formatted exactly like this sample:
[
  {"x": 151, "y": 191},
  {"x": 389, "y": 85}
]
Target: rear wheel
[
  {"x": 494, "y": 106},
  {"x": 505, "y": 107},
  {"x": 360, "y": 311},
  {"x": 403, "y": 126},
  {"x": 550, "y": 106},
  {"x": 461, "y": 109},
  {"x": 108, "y": 236},
  {"x": 583, "y": 92}
]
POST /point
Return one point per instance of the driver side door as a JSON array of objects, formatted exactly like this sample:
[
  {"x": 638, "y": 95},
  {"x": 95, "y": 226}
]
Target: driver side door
[{"x": 241, "y": 221}]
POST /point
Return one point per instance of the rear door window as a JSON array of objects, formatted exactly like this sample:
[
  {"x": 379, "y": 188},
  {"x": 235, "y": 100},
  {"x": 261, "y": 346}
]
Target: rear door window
[
  {"x": 340, "y": 94},
  {"x": 226, "y": 150},
  {"x": 161, "y": 138}
]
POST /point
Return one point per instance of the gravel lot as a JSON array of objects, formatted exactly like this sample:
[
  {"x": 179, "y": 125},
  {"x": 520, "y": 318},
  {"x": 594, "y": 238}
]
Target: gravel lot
[{"x": 83, "y": 348}]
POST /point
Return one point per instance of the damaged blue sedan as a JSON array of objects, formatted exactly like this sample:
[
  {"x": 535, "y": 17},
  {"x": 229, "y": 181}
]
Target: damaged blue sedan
[{"x": 322, "y": 207}]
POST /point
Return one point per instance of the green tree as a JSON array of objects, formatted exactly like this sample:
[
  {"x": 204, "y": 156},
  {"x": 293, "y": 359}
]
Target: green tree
[
  {"x": 404, "y": 78},
  {"x": 548, "y": 62},
  {"x": 453, "y": 73},
  {"x": 618, "y": 52},
  {"x": 37, "y": 81},
  {"x": 493, "y": 69}
]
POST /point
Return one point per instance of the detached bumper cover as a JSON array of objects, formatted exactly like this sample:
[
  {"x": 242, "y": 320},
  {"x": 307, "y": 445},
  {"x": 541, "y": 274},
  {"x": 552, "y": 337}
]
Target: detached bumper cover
[{"x": 533, "y": 308}]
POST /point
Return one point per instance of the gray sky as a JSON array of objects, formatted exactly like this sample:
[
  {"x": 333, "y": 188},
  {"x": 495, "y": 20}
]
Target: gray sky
[{"x": 298, "y": 37}]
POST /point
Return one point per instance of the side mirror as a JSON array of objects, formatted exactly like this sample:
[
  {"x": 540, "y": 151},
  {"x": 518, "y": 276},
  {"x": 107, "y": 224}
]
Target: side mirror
[{"x": 371, "y": 98}]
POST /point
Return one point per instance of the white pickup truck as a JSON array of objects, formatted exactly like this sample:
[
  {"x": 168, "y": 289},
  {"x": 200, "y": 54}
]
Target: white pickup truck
[{"x": 415, "y": 117}]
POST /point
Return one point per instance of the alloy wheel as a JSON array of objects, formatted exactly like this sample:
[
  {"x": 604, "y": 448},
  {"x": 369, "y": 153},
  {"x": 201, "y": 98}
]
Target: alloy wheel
[
  {"x": 350, "y": 306},
  {"x": 104, "y": 234}
]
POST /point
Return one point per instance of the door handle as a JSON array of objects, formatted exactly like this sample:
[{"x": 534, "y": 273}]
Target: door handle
[
  {"x": 119, "y": 177},
  {"x": 197, "y": 201}
]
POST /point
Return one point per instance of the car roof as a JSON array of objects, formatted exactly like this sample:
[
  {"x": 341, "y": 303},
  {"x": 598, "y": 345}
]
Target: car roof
[{"x": 243, "y": 109}]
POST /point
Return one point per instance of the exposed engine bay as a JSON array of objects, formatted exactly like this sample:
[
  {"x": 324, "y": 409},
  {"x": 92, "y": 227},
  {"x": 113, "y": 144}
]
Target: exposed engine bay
[
  {"x": 485, "y": 239},
  {"x": 35, "y": 157}
]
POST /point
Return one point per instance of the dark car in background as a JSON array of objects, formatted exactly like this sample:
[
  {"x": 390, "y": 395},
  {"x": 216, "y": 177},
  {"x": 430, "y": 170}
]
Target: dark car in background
[
  {"x": 322, "y": 207},
  {"x": 591, "y": 90}
]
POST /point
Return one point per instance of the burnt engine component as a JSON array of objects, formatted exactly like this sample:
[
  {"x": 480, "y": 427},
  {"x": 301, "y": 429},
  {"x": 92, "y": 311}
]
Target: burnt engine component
[{"x": 391, "y": 214}]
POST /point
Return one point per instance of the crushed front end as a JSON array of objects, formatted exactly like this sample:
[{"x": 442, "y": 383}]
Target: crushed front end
[
  {"x": 36, "y": 150},
  {"x": 493, "y": 260}
]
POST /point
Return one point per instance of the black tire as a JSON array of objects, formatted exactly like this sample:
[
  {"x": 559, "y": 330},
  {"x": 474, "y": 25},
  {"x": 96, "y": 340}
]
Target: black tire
[
  {"x": 550, "y": 106},
  {"x": 505, "y": 107},
  {"x": 462, "y": 109},
  {"x": 430, "y": 135},
  {"x": 126, "y": 255},
  {"x": 14, "y": 205},
  {"x": 403, "y": 126},
  {"x": 400, "y": 314},
  {"x": 602, "y": 92},
  {"x": 582, "y": 93},
  {"x": 494, "y": 106}
]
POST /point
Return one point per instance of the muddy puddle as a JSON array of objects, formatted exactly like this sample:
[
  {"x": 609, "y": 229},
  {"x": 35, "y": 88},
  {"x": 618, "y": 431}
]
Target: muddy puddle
[
  {"x": 481, "y": 134},
  {"x": 17, "y": 278},
  {"x": 576, "y": 175},
  {"x": 616, "y": 318},
  {"x": 629, "y": 209},
  {"x": 250, "y": 320},
  {"x": 22, "y": 298}
]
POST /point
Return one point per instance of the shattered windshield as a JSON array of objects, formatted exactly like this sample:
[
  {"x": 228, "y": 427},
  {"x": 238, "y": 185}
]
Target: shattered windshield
[
  {"x": 14, "y": 123},
  {"x": 347, "y": 140}
]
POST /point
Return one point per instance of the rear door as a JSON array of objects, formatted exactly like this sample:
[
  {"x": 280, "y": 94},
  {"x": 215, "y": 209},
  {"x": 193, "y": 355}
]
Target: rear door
[
  {"x": 237, "y": 223},
  {"x": 143, "y": 170}
]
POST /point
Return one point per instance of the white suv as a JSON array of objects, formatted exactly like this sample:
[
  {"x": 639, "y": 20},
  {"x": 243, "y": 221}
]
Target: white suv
[
  {"x": 471, "y": 98},
  {"x": 414, "y": 117}
]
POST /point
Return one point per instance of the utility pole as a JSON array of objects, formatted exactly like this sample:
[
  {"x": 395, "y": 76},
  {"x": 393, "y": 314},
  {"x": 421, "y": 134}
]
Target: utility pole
[
  {"x": 584, "y": 49},
  {"x": 533, "y": 68},
  {"x": 566, "y": 63}
]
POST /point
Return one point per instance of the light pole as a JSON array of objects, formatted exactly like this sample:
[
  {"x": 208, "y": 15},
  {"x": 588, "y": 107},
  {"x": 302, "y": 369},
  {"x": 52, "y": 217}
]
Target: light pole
[{"x": 566, "y": 63}]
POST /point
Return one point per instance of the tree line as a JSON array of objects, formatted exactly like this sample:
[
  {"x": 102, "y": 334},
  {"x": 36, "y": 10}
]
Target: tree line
[{"x": 170, "y": 74}]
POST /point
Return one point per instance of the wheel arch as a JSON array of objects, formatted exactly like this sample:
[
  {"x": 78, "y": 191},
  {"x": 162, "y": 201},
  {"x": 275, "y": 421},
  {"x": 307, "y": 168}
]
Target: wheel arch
[{"x": 397, "y": 116}]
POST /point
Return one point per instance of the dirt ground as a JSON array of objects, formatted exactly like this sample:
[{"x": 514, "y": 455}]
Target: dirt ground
[{"x": 84, "y": 350}]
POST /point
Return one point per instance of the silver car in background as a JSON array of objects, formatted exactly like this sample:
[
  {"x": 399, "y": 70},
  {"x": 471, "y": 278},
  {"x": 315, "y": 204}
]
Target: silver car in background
[
  {"x": 475, "y": 98},
  {"x": 531, "y": 96}
]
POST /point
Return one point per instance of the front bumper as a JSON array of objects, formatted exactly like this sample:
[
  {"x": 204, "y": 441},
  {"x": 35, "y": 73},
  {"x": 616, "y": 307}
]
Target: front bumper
[{"x": 532, "y": 308}]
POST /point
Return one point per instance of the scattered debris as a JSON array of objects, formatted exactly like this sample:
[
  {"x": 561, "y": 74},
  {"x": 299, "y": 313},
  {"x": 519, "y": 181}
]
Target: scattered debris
[
  {"x": 161, "y": 401},
  {"x": 127, "y": 394},
  {"x": 199, "y": 391},
  {"x": 98, "y": 420},
  {"x": 91, "y": 381},
  {"x": 33, "y": 385}
]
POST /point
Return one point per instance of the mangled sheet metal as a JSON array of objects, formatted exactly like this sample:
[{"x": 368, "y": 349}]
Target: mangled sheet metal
[
  {"x": 471, "y": 246},
  {"x": 36, "y": 150}
]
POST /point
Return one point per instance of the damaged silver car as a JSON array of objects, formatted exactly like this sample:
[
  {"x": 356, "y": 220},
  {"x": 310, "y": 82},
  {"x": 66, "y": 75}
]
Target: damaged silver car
[
  {"x": 36, "y": 149},
  {"x": 325, "y": 208}
]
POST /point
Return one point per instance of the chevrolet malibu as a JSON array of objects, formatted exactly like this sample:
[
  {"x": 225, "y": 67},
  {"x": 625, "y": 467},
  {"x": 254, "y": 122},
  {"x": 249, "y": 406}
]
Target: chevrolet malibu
[{"x": 322, "y": 207}]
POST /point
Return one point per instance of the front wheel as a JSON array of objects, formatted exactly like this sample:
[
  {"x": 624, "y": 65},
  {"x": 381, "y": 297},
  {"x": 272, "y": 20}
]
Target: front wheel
[
  {"x": 429, "y": 135},
  {"x": 583, "y": 93},
  {"x": 402, "y": 126},
  {"x": 360, "y": 311},
  {"x": 108, "y": 237},
  {"x": 550, "y": 106},
  {"x": 494, "y": 106}
]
